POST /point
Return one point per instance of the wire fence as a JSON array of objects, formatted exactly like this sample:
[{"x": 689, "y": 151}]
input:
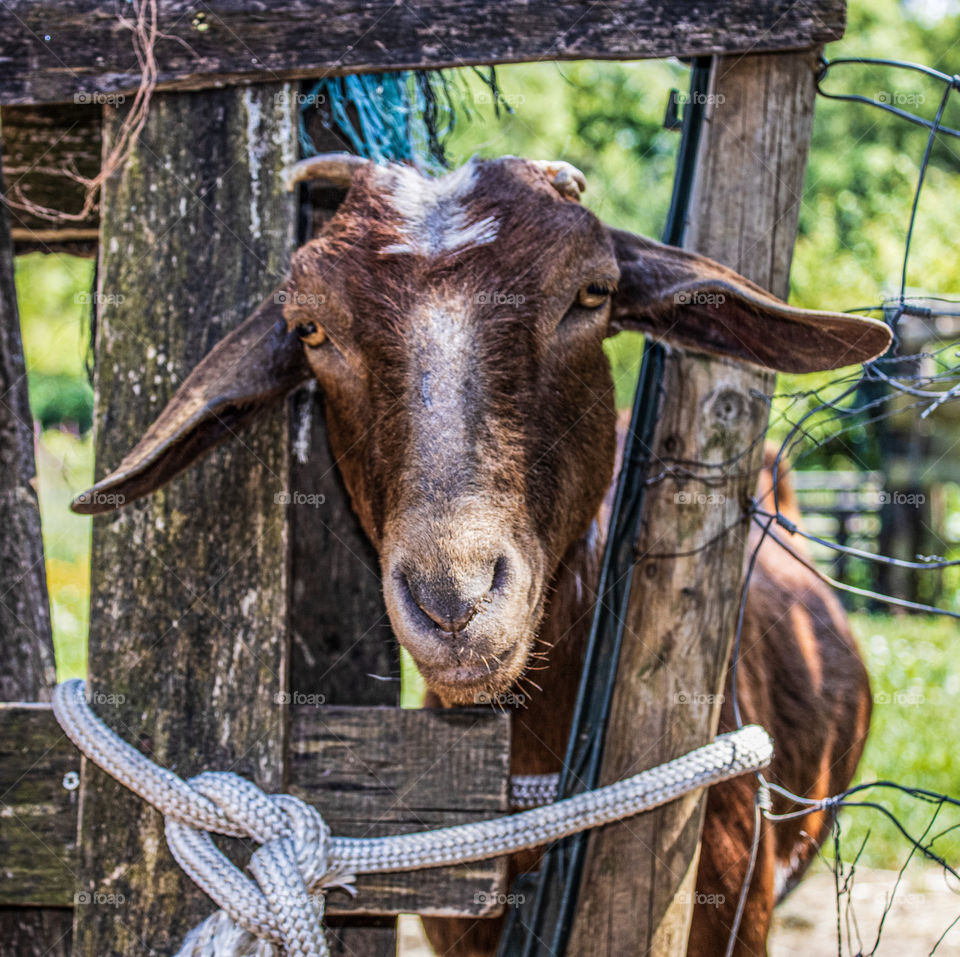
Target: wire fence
[{"x": 918, "y": 384}]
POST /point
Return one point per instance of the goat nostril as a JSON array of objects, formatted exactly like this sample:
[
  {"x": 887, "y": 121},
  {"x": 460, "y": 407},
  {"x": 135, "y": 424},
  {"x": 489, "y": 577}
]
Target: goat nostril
[
  {"x": 443, "y": 603},
  {"x": 499, "y": 574}
]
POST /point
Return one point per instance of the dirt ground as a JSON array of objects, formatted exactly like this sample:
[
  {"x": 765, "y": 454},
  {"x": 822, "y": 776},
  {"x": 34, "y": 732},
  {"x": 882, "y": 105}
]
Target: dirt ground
[
  {"x": 923, "y": 908},
  {"x": 806, "y": 923}
]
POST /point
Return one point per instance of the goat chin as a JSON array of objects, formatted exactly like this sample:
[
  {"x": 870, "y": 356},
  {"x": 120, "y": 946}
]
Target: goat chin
[{"x": 480, "y": 683}]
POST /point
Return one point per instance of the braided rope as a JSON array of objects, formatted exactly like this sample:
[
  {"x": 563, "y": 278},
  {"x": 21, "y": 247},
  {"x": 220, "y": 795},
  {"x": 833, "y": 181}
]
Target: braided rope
[
  {"x": 281, "y": 910},
  {"x": 533, "y": 790}
]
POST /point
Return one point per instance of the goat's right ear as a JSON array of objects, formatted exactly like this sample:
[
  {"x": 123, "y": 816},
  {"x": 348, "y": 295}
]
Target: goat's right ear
[{"x": 255, "y": 366}]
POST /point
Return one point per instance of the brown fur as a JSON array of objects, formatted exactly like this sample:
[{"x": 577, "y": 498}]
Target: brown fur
[
  {"x": 811, "y": 693},
  {"x": 456, "y": 328}
]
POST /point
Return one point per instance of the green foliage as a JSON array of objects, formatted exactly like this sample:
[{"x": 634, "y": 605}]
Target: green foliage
[
  {"x": 605, "y": 118},
  {"x": 55, "y": 304}
]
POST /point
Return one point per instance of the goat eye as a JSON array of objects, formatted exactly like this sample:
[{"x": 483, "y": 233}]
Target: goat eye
[
  {"x": 593, "y": 296},
  {"x": 310, "y": 334}
]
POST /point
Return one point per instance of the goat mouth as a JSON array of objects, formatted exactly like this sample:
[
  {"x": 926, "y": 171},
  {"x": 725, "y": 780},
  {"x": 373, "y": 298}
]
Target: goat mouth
[{"x": 479, "y": 682}]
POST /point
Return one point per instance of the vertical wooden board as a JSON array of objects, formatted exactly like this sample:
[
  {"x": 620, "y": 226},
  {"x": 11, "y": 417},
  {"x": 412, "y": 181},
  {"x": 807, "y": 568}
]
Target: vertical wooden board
[
  {"x": 371, "y": 937},
  {"x": 26, "y": 662},
  {"x": 342, "y": 644},
  {"x": 189, "y": 609},
  {"x": 26, "y": 644},
  {"x": 637, "y": 891}
]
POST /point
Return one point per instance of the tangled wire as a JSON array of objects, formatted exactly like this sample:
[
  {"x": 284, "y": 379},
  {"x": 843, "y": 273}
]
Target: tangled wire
[{"x": 858, "y": 402}]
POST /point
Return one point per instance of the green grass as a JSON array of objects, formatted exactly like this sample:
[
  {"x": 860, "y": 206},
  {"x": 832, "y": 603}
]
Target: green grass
[{"x": 913, "y": 734}]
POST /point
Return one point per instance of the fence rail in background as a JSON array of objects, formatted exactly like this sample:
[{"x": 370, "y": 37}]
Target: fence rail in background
[{"x": 370, "y": 771}]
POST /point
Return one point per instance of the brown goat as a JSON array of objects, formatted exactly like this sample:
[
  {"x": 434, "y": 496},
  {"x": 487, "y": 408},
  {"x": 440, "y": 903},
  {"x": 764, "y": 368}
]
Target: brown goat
[{"x": 456, "y": 327}]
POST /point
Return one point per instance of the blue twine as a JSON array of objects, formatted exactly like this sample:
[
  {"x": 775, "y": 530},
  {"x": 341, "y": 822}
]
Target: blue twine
[{"x": 398, "y": 117}]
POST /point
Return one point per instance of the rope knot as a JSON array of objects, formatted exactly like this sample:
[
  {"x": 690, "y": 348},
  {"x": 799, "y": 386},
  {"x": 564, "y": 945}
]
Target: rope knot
[{"x": 292, "y": 859}]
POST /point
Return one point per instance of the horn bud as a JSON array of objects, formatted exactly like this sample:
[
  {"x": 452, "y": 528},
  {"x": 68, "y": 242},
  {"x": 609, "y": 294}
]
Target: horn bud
[
  {"x": 565, "y": 178},
  {"x": 336, "y": 168}
]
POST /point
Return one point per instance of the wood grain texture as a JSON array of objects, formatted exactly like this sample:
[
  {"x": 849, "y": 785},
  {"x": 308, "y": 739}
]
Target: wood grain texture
[
  {"x": 391, "y": 771},
  {"x": 42, "y": 146},
  {"x": 26, "y": 645},
  {"x": 80, "y": 50},
  {"x": 370, "y": 772},
  {"x": 189, "y": 587},
  {"x": 342, "y": 643},
  {"x": 638, "y": 887},
  {"x": 38, "y": 814}
]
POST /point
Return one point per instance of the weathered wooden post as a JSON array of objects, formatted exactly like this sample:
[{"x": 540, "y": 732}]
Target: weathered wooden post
[
  {"x": 638, "y": 888},
  {"x": 188, "y": 624},
  {"x": 26, "y": 645}
]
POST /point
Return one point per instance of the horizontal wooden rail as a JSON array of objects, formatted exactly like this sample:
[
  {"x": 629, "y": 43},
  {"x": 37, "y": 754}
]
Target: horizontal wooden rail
[
  {"x": 370, "y": 771},
  {"x": 82, "y": 52}
]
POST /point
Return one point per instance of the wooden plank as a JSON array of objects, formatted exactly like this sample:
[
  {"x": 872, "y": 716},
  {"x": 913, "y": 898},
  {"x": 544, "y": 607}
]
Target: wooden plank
[
  {"x": 26, "y": 661},
  {"x": 26, "y": 644},
  {"x": 38, "y": 813},
  {"x": 682, "y": 609},
  {"x": 391, "y": 771},
  {"x": 41, "y": 147},
  {"x": 370, "y": 771},
  {"x": 52, "y": 51},
  {"x": 189, "y": 586}
]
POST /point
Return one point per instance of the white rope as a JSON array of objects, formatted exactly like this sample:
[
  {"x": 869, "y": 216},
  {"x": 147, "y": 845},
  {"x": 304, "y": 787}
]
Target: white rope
[
  {"x": 280, "y": 911},
  {"x": 533, "y": 790}
]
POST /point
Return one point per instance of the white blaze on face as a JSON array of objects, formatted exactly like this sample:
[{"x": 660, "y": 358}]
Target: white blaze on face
[
  {"x": 432, "y": 214},
  {"x": 442, "y": 350}
]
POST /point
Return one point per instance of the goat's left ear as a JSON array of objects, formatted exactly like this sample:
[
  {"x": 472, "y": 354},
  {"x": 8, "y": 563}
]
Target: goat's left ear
[
  {"x": 255, "y": 366},
  {"x": 693, "y": 301}
]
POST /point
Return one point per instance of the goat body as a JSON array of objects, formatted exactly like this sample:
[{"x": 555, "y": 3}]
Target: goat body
[{"x": 800, "y": 676}]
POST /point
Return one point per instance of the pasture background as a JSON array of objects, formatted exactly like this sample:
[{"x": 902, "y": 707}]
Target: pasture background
[{"x": 606, "y": 118}]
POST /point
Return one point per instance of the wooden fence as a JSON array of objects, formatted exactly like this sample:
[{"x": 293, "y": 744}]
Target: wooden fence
[{"x": 220, "y": 619}]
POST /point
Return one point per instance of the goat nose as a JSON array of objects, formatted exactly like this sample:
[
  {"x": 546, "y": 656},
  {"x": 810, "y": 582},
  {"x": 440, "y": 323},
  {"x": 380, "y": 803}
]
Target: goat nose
[{"x": 449, "y": 603}]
